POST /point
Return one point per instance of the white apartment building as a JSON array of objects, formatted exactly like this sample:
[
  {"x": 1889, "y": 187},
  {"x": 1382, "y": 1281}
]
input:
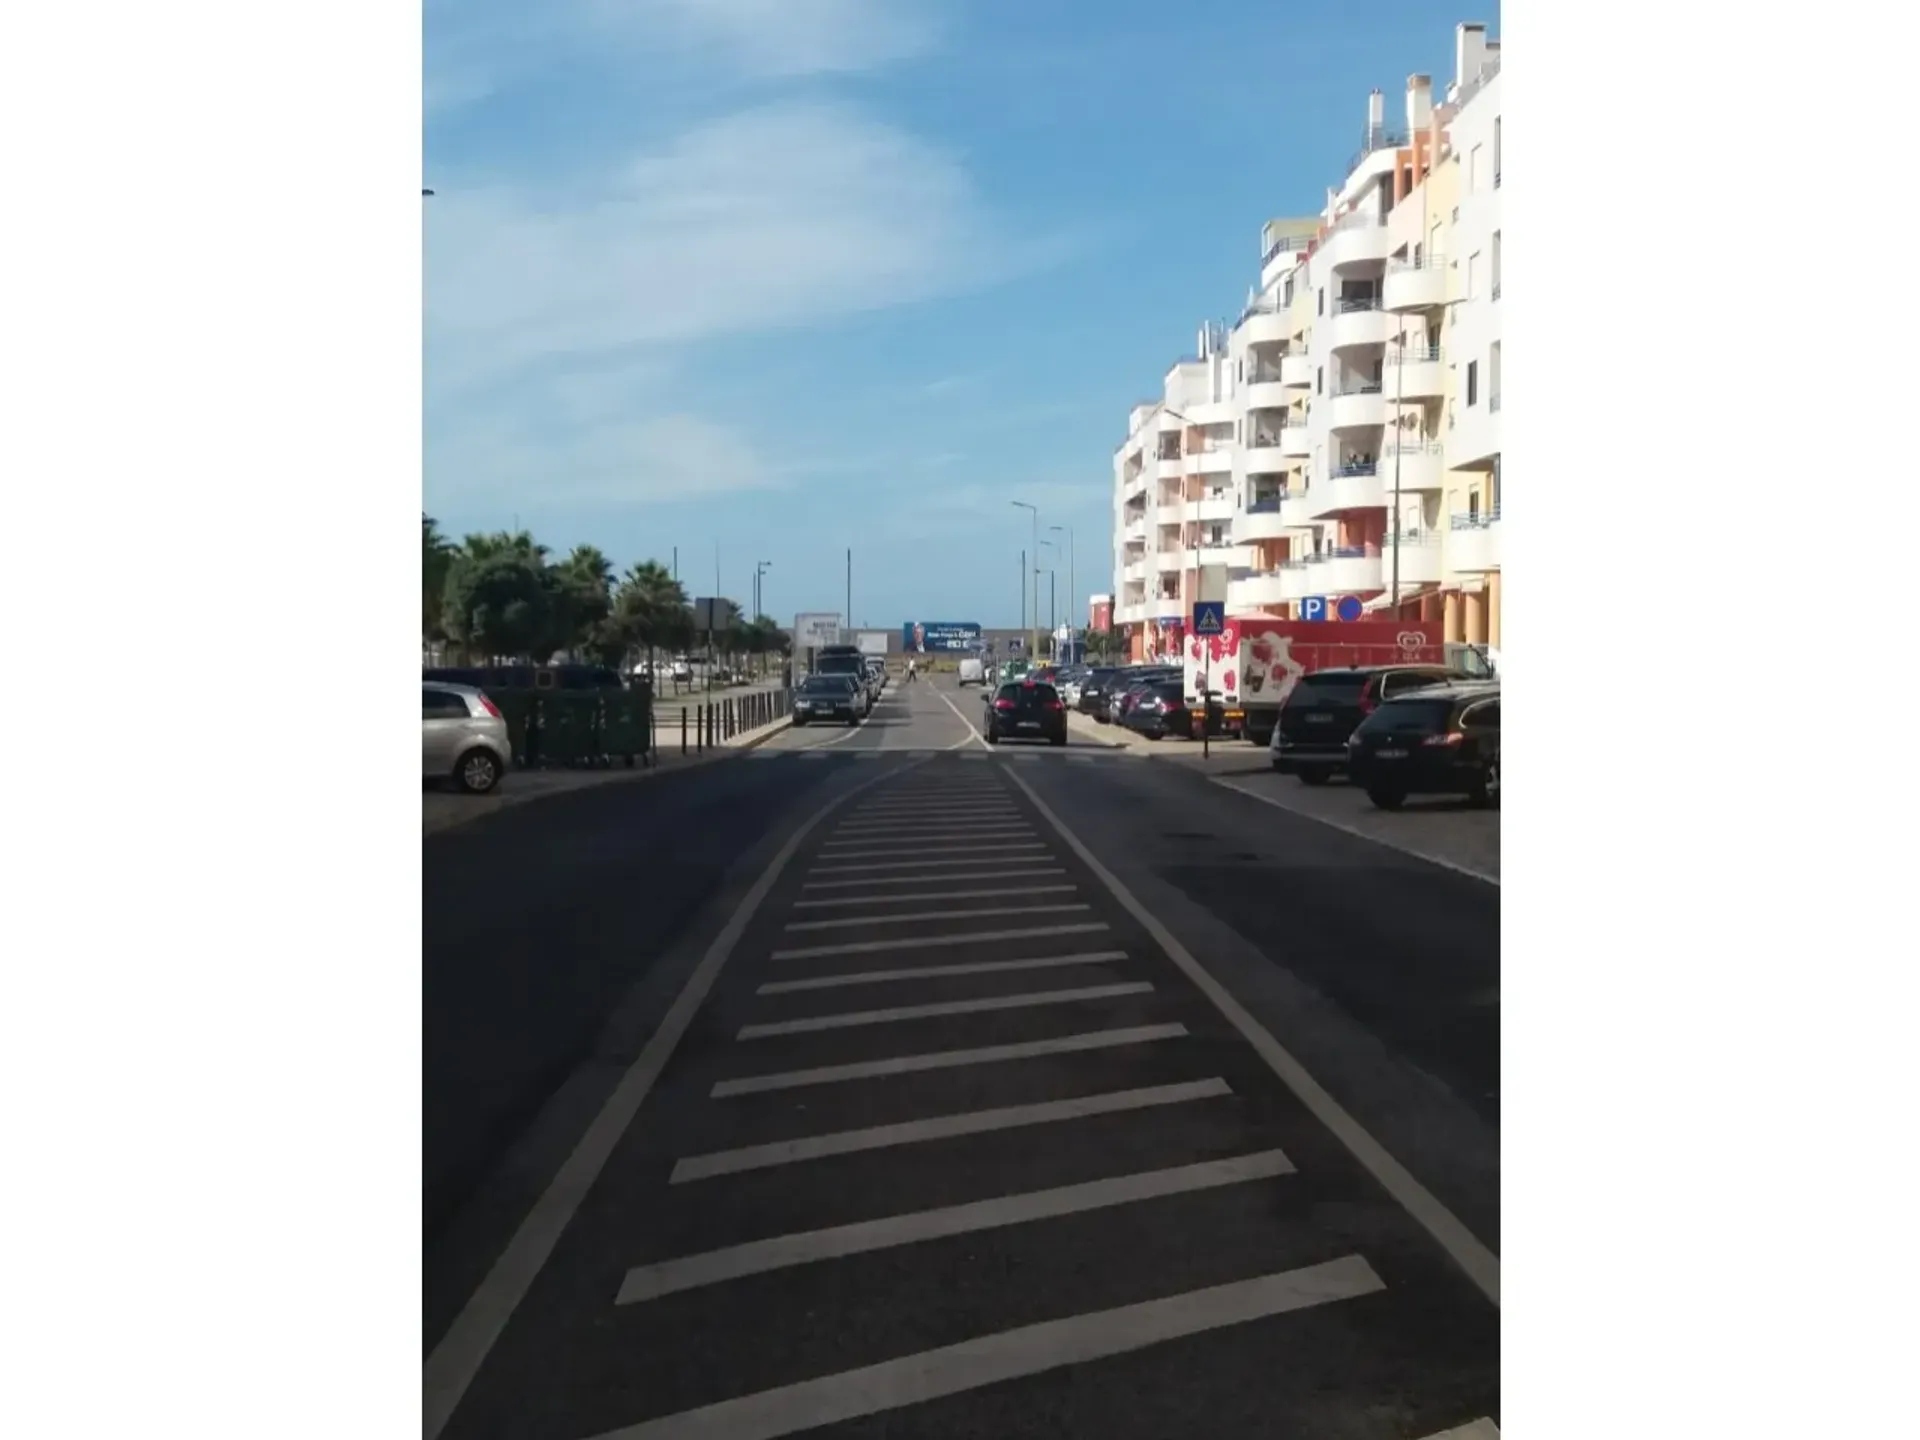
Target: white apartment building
[{"x": 1342, "y": 438}]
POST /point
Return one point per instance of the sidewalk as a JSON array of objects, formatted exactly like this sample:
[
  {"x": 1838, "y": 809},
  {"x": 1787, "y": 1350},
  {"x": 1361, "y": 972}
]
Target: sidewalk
[{"x": 445, "y": 809}]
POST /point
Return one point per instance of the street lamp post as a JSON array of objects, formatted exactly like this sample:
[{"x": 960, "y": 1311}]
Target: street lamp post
[
  {"x": 1033, "y": 634},
  {"x": 759, "y": 598},
  {"x": 1072, "y": 584}
]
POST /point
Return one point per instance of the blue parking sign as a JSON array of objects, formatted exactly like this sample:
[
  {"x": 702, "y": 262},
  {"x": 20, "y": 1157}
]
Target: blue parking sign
[
  {"x": 1209, "y": 617},
  {"x": 1314, "y": 607}
]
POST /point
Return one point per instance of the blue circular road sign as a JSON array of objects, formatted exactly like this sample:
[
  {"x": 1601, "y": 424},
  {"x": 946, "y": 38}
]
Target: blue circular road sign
[{"x": 1349, "y": 607}]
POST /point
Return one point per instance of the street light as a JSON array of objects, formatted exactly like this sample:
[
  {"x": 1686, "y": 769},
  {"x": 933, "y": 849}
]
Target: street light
[
  {"x": 1071, "y": 583},
  {"x": 1033, "y": 635},
  {"x": 759, "y": 602}
]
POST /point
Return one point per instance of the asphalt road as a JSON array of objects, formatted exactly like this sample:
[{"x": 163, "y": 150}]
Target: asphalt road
[{"x": 921, "y": 1089}]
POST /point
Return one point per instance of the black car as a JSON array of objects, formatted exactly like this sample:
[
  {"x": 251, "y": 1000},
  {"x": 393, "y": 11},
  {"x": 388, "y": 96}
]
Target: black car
[
  {"x": 1130, "y": 686},
  {"x": 1026, "y": 710},
  {"x": 1325, "y": 706},
  {"x": 1160, "y": 711},
  {"x": 829, "y": 698},
  {"x": 1094, "y": 691},
  {"x": 1440, "y": 741}
]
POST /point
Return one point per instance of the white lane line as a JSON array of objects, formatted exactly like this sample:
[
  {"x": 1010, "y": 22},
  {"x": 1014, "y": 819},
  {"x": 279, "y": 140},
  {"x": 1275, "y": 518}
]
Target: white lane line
[
  {"x": 1008, "y": 1355},
  {"x": 988, "y": 859},
  {"x": 1027, "y": 873},
  {"x": 1467, "y": 1250},
  {"x": 973, "y": 731},
  {"x": 455, "y": 1361},
  {"x": 941, "y": 1127},
  {"x": 995, "y": 832},
  {"x": 944, "y": 847},
  {"x": 947, "y": 1059},
  {"x": 1227, "y": 783},
  {"x": 648, "y": 1282},
  {"x": 848, "y": 922},
  {"x": 998, "y": 892},
  {"x": 914, "y": 827},
  {"x": 925, "y": 942},
  {"x": 936, "y": 972},
  {"x": 941, "y": 1009},
  {"x": 1481, "y": 1429}
]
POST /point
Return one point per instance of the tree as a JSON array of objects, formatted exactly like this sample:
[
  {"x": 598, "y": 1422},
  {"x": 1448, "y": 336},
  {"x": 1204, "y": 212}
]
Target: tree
[
  {"x": 500, "y": 606},
  {"x": 582, "y": 586},
  {"x": 436, "y": 559},
  {"x": 649, "y": 611}
]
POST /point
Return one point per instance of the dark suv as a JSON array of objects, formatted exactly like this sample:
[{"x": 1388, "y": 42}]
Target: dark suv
[
  {"x": 1026, "y": 710},
  {"x": 1439, "y": 741},
  {"x": 1324, "y": 708}
]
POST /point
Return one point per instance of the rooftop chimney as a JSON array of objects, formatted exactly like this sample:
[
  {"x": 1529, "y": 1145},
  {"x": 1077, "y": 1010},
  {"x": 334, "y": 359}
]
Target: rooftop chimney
[
  {"x": 1419, "y": 104},
  {"x": 1376, "y": 113},
  {"x": 1469, "y": 52}
]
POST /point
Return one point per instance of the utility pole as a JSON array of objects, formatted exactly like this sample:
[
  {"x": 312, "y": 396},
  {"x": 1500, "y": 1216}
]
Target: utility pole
[
  {"x": 1033, "y": 636},
  {"x": 1073, "y": 589},
  {"x": 1023, "y": 589},
  {"x": 1399, "y": 395},
  {"x": 849, "y": 587}
]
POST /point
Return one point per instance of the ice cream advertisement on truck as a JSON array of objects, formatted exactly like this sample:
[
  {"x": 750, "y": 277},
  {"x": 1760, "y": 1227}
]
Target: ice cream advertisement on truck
[{"x": 1255, "y": 662}]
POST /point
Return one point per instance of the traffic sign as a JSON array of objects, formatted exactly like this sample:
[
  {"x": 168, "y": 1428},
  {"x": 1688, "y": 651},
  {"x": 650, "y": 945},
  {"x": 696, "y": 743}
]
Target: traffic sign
[
  {"x": 1209, "y": 617},
  {"x": 1314, "y": 607},
  {"x": 1350, "y": 607}
]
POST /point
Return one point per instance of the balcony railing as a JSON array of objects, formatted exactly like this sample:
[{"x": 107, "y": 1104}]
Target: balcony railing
[
  {"x": 1474, "y": 519},
  {"x": 1269, "y": 506},
  {"x": 1355, "y": 469},
  {"x": 1378, "y": 138},
  {"x": 1359, "y": 306},
  {"x": 1412, "y": 354},
  {"x": 1404, "y": 266},
  {"x": 1285, "y": 245},
  {"x": 1364, "y": 387},
  {"x": 1473, "y": 87}
]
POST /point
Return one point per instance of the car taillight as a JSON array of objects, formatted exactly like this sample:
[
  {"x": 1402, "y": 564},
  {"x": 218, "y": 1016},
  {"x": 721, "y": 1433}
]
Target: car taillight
[
  {"x": 1003, "y": 704},
  {"x": 1055, "y": 705},
  {"x": 1452, "y": 737},
  {"x": 491, "y": 708},
  {"x": 1367, "y": 701}
]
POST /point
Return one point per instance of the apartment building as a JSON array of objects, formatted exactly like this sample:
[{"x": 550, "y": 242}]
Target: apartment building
[{"x": 1342, "y": 436}]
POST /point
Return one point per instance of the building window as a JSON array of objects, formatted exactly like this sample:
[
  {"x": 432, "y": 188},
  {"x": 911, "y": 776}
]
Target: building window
[
  {"x": 1320, "y": 304},
  {"x": 1496, "y": 264},
  {"x": 1493, "y": 376},
  {"x": 1473, "y": 383},
  {"x": 1319, "y": 380},
  {"x": 1473, "y": 276},
  {"x": 1473, "y": 171}
]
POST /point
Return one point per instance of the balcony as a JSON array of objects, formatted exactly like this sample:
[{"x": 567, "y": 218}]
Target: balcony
[
  {"x": 1215, "y": 507},
  {"x": 1356, "y": 322},
  {"x": 1234, "y": 554},
  {"x": 1419, "y": 467},
  {"x": 1268, "y": 590},
  {"x": 1361, "y": 407},
  {"x": 1296, "y": 371},
  {"x": 1348, "y": 571},
  {"x": 1296, "y": 509},
  {"x": 1415, "y": 287},
  {"x": 1214, "y": 459},
  {"x": 1295, "y": 442},
  {"x": 1263, "y": 455},
  {"x": 1349, "y": 489},
  {"x": 1169, "y": 561},
  {"x": 1416, "y": 375},
  {"x": 1262, "y": 520},
  {"x": 1264, "y": 325},
  {"x": 1358, "y": 238},
  {"x": 1133, "y": 484},
  {"x": 1420, "y": 560},
  {"x": 1473, "y": 543},
  {"x": 1267, "y": 393},
  {"x": 1168, "y": 467},
  {"x": 1134, "y": 570}
]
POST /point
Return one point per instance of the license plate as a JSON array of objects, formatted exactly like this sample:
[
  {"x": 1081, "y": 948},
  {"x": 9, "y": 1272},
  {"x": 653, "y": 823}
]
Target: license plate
[
  {"x": 1389, "y": 754},
  {"x": 1029, "y": 724},
  {"x": 1318, "y": 719}
]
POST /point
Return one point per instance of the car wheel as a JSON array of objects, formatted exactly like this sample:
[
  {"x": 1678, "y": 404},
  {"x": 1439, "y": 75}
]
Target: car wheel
[
  {"x": 1056, "y": 739},
  {"x": 1486, "y": 790},
  {"x": 1386, "y": 799},
  {"x": 1313, "y": 777},
  {"x": 852, "y": 721},
  {"x": 477, "y": 772},
  {"x": 993, "y": 737}
]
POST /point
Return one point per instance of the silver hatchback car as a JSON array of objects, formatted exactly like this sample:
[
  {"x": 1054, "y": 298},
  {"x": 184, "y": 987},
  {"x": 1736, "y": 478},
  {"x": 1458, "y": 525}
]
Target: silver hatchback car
[{"x": 463, "y": 737}]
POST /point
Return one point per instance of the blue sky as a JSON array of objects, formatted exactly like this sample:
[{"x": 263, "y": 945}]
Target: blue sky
[{"x": 789, "y": 276}]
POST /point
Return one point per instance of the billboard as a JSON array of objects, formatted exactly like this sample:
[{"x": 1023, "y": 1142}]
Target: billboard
[
  {"x": 811, "y": 631},
  {"x": 1100, "y": 613},
  {"x": 923, "y": 637}
]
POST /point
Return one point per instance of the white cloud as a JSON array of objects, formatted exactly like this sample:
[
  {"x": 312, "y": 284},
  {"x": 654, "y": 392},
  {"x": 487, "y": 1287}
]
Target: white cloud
[{"x": 777, "y": 216}]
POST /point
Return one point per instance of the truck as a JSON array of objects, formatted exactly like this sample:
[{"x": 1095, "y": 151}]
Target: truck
[
  {"x": 1249, "y": 668},
  {"x": 872, "y": 643}
]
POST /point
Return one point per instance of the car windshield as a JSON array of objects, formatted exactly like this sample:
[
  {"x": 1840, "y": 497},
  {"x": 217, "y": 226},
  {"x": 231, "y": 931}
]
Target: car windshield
[
  {"x": 1340, "y": 687},
  {"x": 827, "y": 685}
]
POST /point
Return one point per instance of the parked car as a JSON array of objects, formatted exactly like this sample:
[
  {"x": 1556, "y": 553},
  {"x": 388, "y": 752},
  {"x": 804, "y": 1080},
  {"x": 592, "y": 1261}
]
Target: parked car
[
  {"x": 973, "y": 671},
  {"x": 1444, "y": 740},
  {"x": 1324, "y": 706},
  {"x": 1160, "y": 710},
  {"x": 1092, "y": 699},
  {"x": 829, "y": 699},
  {"x": 1136, "y": 682},
  {"x": 463, "y": 737},
  {"x": 1026, "y": 710}
]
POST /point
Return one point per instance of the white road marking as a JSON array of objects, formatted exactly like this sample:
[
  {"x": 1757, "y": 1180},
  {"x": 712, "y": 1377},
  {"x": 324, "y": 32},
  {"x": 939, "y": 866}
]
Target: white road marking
[
  {"x": 991, "y": 831},
  {"x": 648, "y": 1282},
  {"x": 926, "y": 942},
  {"x": 857, "y": 1018},
  {"x": 455, "y": 1361},
  {"x": 1477, "y": 1259},
  {"x": 940, "y": 1127},
  {"x": 974, "y": 737},
  {"x": 945, "y": 847},
  {"x": 937, "y": 972},
  {"x": 973, "y": 820},
  {"x": 928, "y": 879},
  {"x": 1226, "y": 782},
  {"x": 1009, "y": 1355},
  {"x": 1482, "y": 1429},
  {"x": 923, "y": 895},
  {"x": 848, "y": 922},
  {"x": 988, "y": 858},
  {"x": 947, "y": 1059}
]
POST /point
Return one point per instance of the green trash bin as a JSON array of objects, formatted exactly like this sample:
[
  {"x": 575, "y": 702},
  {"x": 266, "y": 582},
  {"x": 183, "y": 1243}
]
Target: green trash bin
[{"x": 624, "y": 724}]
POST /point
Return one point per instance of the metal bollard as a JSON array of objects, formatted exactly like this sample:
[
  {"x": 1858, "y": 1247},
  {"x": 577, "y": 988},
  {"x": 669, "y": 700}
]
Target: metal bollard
[{"x": 683, "y": 729}]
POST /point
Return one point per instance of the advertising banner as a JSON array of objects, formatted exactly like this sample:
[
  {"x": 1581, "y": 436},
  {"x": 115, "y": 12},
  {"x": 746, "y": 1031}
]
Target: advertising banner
[{"x": 926, "y": 637}]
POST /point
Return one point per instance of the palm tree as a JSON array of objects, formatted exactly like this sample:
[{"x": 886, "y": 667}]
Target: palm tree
[
  {"x": 436, "y": 559},
  {"x": 650, "y": 608}
]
